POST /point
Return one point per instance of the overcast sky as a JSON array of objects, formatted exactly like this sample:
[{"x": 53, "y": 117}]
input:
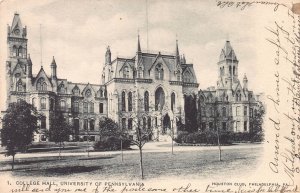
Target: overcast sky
[{"x": 78, "y": 33}]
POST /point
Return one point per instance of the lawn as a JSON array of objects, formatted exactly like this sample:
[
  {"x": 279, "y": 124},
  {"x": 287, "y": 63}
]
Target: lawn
[{"x": 195, "y": 164}]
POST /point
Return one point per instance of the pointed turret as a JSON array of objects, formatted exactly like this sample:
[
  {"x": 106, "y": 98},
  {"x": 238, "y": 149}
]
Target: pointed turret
[
  {"x": 29, "y": 66},
  {"x": 227, "y": 53},
  {"x": 108, "y": 56},
  {"x": 183, "y": 61},
  {"x": 245, "y": 82},
  {"x": 139, "y": 45},
  {"x": 16, "y": 29},
  {"x": 53, "y": 68},
  {"x": 177, "y": 57}
]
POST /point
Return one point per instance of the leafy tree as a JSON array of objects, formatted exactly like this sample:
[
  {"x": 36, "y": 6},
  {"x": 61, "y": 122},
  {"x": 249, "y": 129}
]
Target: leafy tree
[
  {"x": 19, "y": 125},
  {"x": 257, "y": 132},
  {"x": 108, "y": 127},
  {"x": 60, "y": 130},
  {"x": 190, "y": 110}
]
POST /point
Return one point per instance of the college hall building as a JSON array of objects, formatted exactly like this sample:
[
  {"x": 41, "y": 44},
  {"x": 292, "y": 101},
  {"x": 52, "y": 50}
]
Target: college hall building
[{"x": 145, "y": 89}]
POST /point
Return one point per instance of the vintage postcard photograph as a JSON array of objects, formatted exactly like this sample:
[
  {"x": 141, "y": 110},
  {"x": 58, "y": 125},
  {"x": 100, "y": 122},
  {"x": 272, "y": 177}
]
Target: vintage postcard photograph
[{"x": 149, "y": 96}]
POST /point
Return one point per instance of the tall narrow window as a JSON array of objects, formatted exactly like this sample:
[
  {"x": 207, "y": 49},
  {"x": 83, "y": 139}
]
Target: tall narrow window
[
  {"x": 76, "y": 107},
  {"x": 61, "y": 88},
  {"x": 52, "y": 104},
  {"x": 123, "y": 123},
  {"x": 140, "y": 72},
  {"x": 76, "y": 126},
  {"x": 62, "y": 105},
  {"x": 43, "y": 103},
  {"x": 43, "y": 122},
  {"x": 230, "y": 71},
  {"x": 126, "y": 72},
  {"x": 224, "y": 126},
  {"x": 101, "y": 108},
  {"x": 224, "y": 112},
  {"x": 144, "y": 123},
  {"x": 149, "y": 123},
  {"x": 20, "y": 51},
  {"x": 233, "y": 70},
  {"x": 251, "y": 112},
  {"x": 85, "y": 107},
  {"x": 178, "y": 75},
  {"x": 146, "y": 101},
  {"x": 245, "y": 125},
  {"x": 159, "y": 72},
  {"x": 91, "y": 107},
  {"x": 130, "y": 101},
  {"x": 238, "y": 109},
  {"x": 172, "y": 101},
  {"x": 19, "y": 86},
  {"x": 245, "y": 110},
  {"x": 85, "y": 124},
  {"x": 130, "y": 123},
  {"x": 15, "y": 51},
  {"x": 92, "y": 125},
  {"x": 123, "y": 101}
]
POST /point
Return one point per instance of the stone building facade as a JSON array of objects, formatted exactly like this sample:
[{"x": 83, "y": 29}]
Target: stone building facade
[
  {"x": 231, "y": 105},
  {"x": 145, "y": 89}
]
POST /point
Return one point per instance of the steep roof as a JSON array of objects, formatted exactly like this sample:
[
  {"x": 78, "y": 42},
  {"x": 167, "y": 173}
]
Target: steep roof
[{"x": 227, "y": 52}]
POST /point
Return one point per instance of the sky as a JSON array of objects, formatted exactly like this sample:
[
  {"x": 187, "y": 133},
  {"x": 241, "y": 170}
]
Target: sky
[{"x": 77, "y": 35}]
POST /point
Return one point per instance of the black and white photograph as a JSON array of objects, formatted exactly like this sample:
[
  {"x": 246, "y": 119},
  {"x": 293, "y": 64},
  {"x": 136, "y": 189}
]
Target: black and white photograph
[{"x": 149, "y": 96}]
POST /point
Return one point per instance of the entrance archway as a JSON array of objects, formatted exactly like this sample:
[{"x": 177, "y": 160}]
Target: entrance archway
[{"x": 166, "y": 124}]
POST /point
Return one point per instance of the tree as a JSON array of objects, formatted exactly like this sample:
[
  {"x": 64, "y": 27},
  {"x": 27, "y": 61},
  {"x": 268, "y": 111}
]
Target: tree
[
  {"x": 108, "y": 127},
  {"x": 19, "y": 125},
  {"x": 190, "y": 110},
  {"x": 257, "y": 132},
  {"x": 60, "y": 130}
]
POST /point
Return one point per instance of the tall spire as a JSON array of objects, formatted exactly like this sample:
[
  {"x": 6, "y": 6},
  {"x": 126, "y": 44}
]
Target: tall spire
[
  {"x": 53, "y": 68},
  {"x": 139, "y": 45},
  {"x": 108, "y": 56},
  {"x": 177, "y": 56}
]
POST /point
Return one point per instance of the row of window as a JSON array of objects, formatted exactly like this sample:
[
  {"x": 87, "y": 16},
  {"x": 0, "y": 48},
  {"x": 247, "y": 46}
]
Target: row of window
[
  {"x": 87, "y": 107},
  {"x": 88, "y": 125},
  {"x": 128, "y": 123},
  {"x": 19, "y": 51},
  {"x": 159, "y": 73},
  {"x": 222, "y": 71},
  {"x": 211, "y": 125},
  {"x": 211, "y": 111}
]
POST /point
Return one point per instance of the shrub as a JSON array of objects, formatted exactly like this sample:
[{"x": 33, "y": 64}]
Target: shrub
[{"x": 111, "y": 144}]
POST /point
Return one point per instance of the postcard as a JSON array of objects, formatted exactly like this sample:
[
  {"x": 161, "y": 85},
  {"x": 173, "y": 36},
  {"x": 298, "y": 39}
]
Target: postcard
[{"x": 150, "y": 96}]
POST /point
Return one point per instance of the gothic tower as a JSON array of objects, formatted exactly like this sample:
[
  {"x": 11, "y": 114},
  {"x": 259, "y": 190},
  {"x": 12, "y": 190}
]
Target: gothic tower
[
  {"x": 228, "y": 67},
  {"x": 18, "y": 68}
]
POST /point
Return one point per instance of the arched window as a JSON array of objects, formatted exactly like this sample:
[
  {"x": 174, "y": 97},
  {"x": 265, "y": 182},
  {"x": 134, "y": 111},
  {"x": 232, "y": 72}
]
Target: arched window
[
  {"x": 144, "y": 123},
  {"x": 20, "y": 51},
  {"x": 43, "y": 103},
  {"x": 19, "y": 86},
  {"x": 172, "y": 101},
  {"x": 123, "y": 101},
  {"x": 130, "y": 101},
  {"x": 140, "y": 72},
  {"x": 238, "y": 96},
  {"x": 159, "y": 72},
  {"x": 146, "y": 101},
  {"x": 33, "y": 102},
  {"x": 76, "y": 107},
  {"x": 101, "y": 93},
  {"x": 61, "y": 88},
  {"x": 91, "y": 107},
  {"x": 62, "y": 105},
  {"x": 88, "y": 93},
  {"x": 149, "y": 123},
  {"x": 41, "y": 85},
  {"x": 92, "y": 125},
  {"x": 85, "y": 107},
  {"x": 15, "y": 51},
  {"x": 126, "y": 72},
  {"x": 224, "y": 112},
  {"x": 230, "y": 70},
  {"x": 178, "y": 75},
  {"x": 238, "y": 111},
  {"x": 233, "y": 70},
  {"x": 76, "y": 91},
  {"x": 159, "y": 99}
]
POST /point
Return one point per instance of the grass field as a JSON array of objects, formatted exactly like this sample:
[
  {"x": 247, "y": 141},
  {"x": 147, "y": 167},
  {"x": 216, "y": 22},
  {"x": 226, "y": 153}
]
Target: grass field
[{"x": 184, "y": 164}]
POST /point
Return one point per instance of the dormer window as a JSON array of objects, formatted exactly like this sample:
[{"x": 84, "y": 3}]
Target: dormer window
[
  {"x": 41, "y": 85},
  {"x": 88, "y": 93},
  {"x": 140, "y": 72},
  {"x": 126, "y": 72},
  {"x": 159, "y": 72}
]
